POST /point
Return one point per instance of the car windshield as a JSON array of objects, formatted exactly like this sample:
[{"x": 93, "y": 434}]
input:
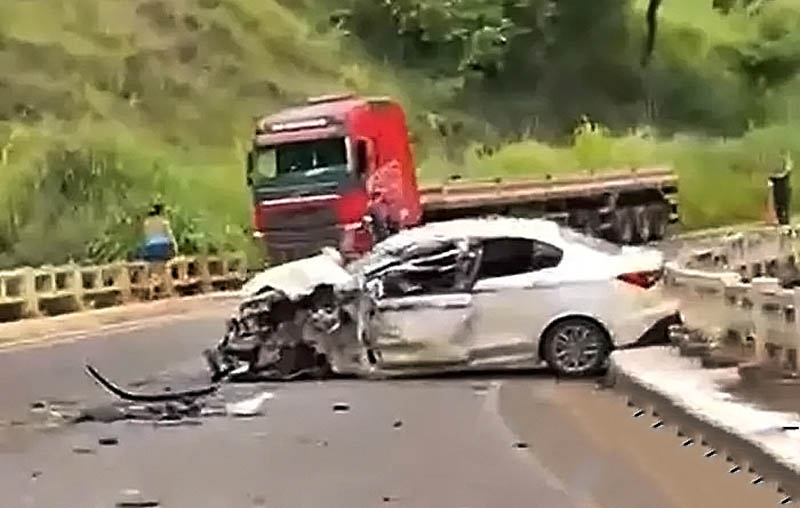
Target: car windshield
[{"x": 307, "y": 158}]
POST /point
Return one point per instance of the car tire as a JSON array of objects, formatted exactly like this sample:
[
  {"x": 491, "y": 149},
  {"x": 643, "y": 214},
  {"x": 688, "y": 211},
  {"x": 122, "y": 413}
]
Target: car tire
[
  {"x": 643, "y": 232},
  {"x": 576, "y": 347},
  {"x": 657, "y": 216},
  {"x": 623, "y": 226}
]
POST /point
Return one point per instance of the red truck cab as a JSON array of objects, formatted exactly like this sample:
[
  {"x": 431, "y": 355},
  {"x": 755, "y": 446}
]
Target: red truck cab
[{"x": 329, "y": 173}]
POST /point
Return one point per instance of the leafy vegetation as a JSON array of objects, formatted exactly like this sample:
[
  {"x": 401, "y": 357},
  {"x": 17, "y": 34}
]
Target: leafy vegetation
[{"x": 106, "y": 106}]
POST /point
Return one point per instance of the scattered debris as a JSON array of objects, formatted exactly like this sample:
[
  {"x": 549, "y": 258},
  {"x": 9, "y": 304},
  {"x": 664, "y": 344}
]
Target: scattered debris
[
  {"x": 137, "y": 504},
  {"x": 38, "y": 406},
  {"x": 103, "y": 414},
  {"x": 387, "y": 499},
  {"x": 249, "y": 407},
  {"x": 177, "y": 423},
  {"x": 397, "y": 424},
  {"x": 108, "y": 441},
  {"x": 140, "y": 397},
  {"x": 520, "y": 445},
  {"x": 341, "y": 407},
  {"x": 35, "y": 475}
]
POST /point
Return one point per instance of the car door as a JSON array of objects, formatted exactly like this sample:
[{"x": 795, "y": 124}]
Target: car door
[
  {"x": 424, "y": 310},
  {"x": 507, "y": 300}
]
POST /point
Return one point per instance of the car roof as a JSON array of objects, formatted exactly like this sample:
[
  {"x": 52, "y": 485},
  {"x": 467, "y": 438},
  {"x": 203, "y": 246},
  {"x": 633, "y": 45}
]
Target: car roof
[{"x": 478, "y": 228}]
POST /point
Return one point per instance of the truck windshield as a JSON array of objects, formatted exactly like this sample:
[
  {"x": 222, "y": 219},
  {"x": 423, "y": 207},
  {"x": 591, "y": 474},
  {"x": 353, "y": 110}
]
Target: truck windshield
[{"x": 309, "y": 158}]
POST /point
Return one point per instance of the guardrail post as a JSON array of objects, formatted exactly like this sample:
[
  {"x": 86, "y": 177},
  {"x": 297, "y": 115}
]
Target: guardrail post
[
  {"x": 31, "y": 305},
  {"x": 122, "y": 279},
  {"x": 75, "y": 285},
  {"x": 760, "y": 287},
  {"x": 795, "y": 343},
  {"x": 205, "y": 274}
]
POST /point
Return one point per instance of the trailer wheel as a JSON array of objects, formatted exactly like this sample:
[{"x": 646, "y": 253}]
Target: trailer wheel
[
  {"x": 657, "y": 216},
  {"x": 641, "y": 217},
  {"x": 623, "y": 225}
]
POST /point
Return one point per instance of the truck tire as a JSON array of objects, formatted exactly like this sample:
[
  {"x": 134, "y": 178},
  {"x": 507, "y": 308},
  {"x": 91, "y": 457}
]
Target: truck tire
[
  {"x": 643, "y": 231},
  {"x": 658, "y": 217},
  {"x": 585, "y": 221},
  {"x": 623, "y": 226}
]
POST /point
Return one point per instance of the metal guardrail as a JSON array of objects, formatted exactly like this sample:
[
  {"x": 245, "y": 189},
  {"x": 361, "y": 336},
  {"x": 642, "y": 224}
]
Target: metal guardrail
[
  {"x": 769, "y": 251},
  {"x": 762, "y": 313},
  {"x": 30, "y": 292}
]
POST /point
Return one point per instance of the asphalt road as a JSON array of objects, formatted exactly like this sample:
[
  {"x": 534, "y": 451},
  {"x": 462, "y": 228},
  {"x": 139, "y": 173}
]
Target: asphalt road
[{"x": 462, "y": 442}]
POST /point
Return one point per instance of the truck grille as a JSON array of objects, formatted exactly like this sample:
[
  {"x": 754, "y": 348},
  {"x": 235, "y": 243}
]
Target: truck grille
[{"x": 301, "y": 233}]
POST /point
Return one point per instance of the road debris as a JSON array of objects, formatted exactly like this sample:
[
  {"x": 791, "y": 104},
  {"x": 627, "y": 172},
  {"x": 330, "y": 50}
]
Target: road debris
[
  {"x": 108, "y": 441},
  {"x": 137, "y": 504},
  {"x": 341, "y": 407},
  {"x": 520, "y": 445},
  {"x": 141, "y": 397},
  {"x": 249, "y": 407},
  {"x": 82, "y": 450},
  {"x": 397, "y": 424}
]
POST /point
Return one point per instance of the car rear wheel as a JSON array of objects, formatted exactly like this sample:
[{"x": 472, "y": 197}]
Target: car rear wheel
[{"x": 576, "y": 347}]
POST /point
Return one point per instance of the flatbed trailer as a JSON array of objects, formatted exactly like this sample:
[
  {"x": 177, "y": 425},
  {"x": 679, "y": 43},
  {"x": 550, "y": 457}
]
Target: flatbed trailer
[{"x": 631, "y": 206}]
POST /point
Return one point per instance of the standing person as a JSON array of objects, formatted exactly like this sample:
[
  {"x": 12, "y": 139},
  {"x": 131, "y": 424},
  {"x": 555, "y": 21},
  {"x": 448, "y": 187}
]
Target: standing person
[
  {"x": 781, "y": 192},
  {"x": 159, "y": 242},
  {"x": 385, "y": 197}
]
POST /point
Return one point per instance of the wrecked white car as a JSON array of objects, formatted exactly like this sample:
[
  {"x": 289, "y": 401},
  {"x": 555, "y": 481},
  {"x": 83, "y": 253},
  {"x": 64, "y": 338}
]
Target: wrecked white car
[{"x": 457, "y": 295}]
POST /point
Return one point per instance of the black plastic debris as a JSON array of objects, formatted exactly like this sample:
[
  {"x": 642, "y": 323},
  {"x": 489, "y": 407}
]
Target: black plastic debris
[
  {"x": 38, "y": 405},
  {"x": 341, "y": 407},
  {"x": 137, "y": 504},
  {"x": 397, "y": 424},
  {"x": 521, "y": 445},
  {"x": 35, "y": 474},
  {"x": 108, "y": 441}
]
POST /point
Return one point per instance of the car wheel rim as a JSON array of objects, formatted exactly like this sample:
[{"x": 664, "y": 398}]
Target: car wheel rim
[{"x": 576, "y": 348}]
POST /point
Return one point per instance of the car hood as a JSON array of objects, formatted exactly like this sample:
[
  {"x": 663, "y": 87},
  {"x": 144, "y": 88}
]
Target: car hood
[{"x": 299, "y": 278}]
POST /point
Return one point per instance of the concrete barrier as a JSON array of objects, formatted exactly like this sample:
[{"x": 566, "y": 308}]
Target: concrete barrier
[
  {"x": 761, "y": 311},
  {"x": 47, "y": 290}
]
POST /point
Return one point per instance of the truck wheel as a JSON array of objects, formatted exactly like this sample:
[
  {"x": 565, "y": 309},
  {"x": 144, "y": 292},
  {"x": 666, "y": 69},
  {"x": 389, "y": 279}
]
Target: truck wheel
[
  {"x": 623, "y": 226},
  {"x": 643, "y": 224},
  {"x": 657, "y": 216}
]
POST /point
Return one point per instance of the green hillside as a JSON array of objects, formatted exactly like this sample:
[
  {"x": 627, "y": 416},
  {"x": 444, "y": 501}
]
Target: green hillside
[{"x": 106, "y": 104}]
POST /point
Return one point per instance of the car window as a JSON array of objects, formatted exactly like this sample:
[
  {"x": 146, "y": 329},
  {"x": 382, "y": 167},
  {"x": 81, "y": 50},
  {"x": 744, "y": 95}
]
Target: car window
[
  {"x": 503, "y": 257},
  {"x": 428, "y": 269}
]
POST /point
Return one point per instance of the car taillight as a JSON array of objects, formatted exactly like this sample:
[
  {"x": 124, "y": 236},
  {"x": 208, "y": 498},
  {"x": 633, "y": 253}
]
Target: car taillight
[{"x": 644, "y": 280}]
